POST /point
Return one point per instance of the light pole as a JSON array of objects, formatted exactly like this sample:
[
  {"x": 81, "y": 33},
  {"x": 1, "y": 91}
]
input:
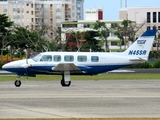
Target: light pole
[{"x": 126, "y": 3}]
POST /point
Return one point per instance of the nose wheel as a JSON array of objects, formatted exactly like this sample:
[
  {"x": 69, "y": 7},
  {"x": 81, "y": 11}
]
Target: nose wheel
[{"x": 17, "y": 83}]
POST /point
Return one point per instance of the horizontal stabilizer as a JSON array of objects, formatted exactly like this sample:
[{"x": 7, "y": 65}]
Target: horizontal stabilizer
[{"x": 139, "y": 59}]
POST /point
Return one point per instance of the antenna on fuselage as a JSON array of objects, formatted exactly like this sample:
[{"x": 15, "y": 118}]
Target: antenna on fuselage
[
  {"x": 79, "y": 48},
  {"x": 45, "y": 48}
]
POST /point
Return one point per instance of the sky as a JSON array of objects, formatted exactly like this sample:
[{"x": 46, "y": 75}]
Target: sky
[{"x": 111, "y": 7}]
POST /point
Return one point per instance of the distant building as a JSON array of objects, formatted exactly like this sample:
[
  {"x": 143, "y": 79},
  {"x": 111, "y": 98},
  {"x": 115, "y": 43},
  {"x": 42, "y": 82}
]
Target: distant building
[
  {"x": 87, "y": 25},
  {"x": 148, "y": 15},
  {"x": 35, "y": 13},
  {"x": 80, "y": 9},
  {"x": 94, "y": 14}
]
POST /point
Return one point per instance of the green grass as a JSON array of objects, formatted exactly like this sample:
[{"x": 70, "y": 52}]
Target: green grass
[{"x": 96, "y": 77}]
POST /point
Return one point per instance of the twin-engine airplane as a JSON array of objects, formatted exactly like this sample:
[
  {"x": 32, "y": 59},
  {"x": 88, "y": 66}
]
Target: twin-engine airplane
[{"x": 82, "y": 63}]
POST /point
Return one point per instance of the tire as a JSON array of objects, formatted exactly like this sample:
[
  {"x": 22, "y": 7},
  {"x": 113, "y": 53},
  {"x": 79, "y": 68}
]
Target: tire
[
  {"x": 68, "y": 83},
  {"x": 17, "y": 83},
  {"x": 65, "y": 84},
  {"x": 62, "y": 83}
]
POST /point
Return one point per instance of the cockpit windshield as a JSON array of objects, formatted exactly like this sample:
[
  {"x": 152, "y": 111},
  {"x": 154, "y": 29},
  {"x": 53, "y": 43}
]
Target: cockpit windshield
[{"x": 37, "y": 57}]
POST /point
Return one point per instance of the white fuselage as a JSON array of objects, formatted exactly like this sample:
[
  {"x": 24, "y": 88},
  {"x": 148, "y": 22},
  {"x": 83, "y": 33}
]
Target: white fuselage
[{"x": 88, "y": 62}]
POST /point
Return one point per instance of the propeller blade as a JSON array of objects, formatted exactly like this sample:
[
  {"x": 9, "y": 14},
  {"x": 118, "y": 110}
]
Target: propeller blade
[{"x": 27, "y": 63}]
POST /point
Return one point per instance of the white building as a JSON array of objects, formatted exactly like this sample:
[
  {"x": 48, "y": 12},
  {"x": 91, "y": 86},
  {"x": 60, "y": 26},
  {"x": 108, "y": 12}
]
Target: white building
[{"x": 87, "y": 25}]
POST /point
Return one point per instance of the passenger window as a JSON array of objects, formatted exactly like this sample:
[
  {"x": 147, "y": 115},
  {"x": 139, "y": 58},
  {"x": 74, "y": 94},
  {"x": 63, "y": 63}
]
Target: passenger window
[
  {"x": 68, "y": 58},
  {"x": 94, "y": 58},
  {"x": 46, "y": 58},
  {"x": 82, "y": 58},
  {"x": 57, "y": 58}
]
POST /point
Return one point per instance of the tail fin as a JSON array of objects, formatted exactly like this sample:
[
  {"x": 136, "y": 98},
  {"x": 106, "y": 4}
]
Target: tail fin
[{"x": 142, "y": 46}]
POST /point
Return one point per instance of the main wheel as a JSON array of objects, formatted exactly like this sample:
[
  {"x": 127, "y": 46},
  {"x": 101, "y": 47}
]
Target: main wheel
[
  {"x": 17, "y": 83},
  {"x": 65, "y": 84}
]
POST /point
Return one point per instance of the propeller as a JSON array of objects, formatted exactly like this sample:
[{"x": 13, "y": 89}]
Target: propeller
[{"x": 27, "y": 63}]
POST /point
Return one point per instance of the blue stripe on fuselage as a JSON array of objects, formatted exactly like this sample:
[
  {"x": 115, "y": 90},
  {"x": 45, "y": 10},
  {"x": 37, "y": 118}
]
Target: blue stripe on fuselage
[{"x": 102, "y": 69}]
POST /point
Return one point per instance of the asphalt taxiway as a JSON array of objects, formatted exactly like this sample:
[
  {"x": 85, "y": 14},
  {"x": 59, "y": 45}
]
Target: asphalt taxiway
[{"x": 83, "y": 99}]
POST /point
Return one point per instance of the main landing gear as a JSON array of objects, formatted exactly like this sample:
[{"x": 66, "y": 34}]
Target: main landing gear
[
  {"x": 66, "y": 82},
  {"x": 17, "y": 83}
]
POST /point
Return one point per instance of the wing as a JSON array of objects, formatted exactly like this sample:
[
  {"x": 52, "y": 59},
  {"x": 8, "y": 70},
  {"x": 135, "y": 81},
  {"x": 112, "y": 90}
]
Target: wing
[{"x": 61, "y": 67}]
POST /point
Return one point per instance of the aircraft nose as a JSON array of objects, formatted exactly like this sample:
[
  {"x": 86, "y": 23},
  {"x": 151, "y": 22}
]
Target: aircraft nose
[
  {"x": 4, "y": 66},
  {"x": 10, "y": 67}
]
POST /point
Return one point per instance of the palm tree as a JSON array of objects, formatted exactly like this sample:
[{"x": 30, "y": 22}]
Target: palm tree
[{"x": 103, "y": 33}]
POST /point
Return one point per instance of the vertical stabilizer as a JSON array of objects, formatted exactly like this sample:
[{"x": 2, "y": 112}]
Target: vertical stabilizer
[{"x": 142, "y": 46}]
